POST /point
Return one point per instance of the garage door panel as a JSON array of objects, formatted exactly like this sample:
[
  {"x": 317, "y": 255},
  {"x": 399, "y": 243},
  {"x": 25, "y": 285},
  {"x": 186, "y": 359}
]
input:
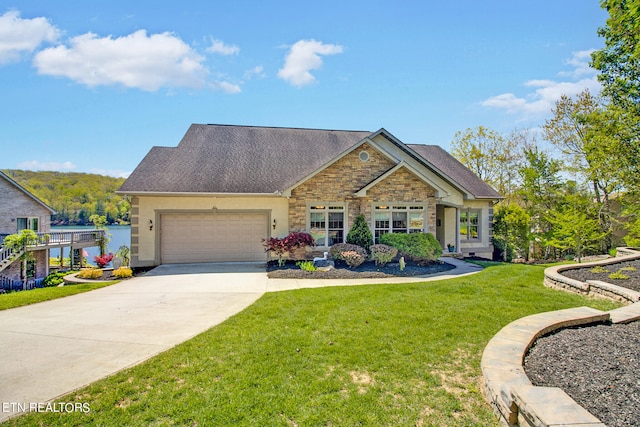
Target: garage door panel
[{"x": 212, "y": 237}]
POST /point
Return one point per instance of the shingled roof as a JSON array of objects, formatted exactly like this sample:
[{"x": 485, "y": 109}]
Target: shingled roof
[
  {"x": 264, "y": 160},
  {"x": 459, "y": 173},
  {"x": 238, "y": 159}
]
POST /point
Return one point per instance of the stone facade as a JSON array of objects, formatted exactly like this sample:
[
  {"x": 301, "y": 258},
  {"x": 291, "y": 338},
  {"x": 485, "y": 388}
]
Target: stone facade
[{"x": 339, "y": 182}]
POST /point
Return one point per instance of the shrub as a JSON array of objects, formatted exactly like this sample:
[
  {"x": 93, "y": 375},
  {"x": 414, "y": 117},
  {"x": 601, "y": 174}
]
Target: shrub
[
  {"x": 618, "y": 275},
  {"x": 90, "y": 273},
  {"x": 103, "y": 260},
  {"x": 382, "y": 254},
  {"x": 353, "y": 258},
  {"x": 123, "y": 272},
  {"x": 599, "y": 269},
  {"x": 54, "y": 279},
  {"x": 360, "y": 234},
  {"x": 339, "y": 248},
  {"x": 419, "y": 247},
  {"x": 298, "y": 239},
  {"x": 280, "y": 246},
  {"x": 306, "y": 265}
]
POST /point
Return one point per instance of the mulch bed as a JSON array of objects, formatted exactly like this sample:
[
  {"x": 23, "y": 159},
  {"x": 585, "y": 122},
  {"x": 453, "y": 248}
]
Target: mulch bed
[
  {"x": 633, "y": 282},
  {"x": 367, "y": 270},
  {"x": 599, "y": 365}
]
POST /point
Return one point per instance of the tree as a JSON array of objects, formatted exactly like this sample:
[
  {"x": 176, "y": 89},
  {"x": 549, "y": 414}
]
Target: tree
[
  {"x": 540, "y": 191},
  {"x": 360, "y": 234},
  {"x": 489, "y": 155},
  {"x": 574, "y": 229},
  {"x": 619, "y": 61},
  {"x": 511, "y": 231},
  {"x": 619, "y": 65},
  {"x": 587, "y": 150},
  {"x": 100, "y": 222}
]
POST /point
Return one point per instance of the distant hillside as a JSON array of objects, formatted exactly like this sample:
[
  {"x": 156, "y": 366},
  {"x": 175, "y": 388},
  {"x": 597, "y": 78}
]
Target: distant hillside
[{"x": 75, "y": 196}]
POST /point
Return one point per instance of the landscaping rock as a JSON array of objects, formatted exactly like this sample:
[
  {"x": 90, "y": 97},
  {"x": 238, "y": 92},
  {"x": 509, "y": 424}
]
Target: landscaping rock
[
  {"x": 598, "y": 366},
  {"x": 367, "y": 270}
]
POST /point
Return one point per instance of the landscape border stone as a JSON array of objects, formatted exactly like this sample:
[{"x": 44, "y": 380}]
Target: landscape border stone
[{"x": 515, "y": 400}]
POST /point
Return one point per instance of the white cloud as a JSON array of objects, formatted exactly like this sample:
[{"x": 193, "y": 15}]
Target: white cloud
[
  {"x": 37, "y": 165},
  {"x": 303, "y": 57},
  {"x": 226, "y": 87},
  {"x": 218, "y": 46},
  {"x": 546, "y": 93},
  {"x": 135, "y": 61},
  {"x": 580, "y": 62},
  {"x": 111, "y": 172},
  {"x": 18, "y": 36},
  {"x": 257, "y": 71}
]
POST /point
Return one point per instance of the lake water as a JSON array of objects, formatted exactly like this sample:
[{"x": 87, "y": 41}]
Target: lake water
[{"x": 119, "y": 235}]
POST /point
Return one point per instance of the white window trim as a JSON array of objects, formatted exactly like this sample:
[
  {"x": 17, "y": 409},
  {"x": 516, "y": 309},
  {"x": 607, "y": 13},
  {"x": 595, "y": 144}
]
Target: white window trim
[
  {"x": 467, "y": 239},
  {"x": 399, "y": 207},
  {"x": 327, "y": 210}
]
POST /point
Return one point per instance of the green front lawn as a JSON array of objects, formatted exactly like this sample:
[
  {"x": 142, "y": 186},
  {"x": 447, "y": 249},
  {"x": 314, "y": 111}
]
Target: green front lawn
[
  {"x": 18, "y": 299},
  {"x": 379, "y": 355}
]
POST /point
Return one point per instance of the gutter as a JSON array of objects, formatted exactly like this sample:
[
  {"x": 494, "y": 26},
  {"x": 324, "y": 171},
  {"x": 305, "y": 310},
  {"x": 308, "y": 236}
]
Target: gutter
[{"x": 194, "y": 194}]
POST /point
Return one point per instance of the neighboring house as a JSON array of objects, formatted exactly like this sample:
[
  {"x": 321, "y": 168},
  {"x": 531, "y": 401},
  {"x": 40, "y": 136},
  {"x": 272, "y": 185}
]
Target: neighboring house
[
  {"x": 19, "y": 210},
  {"x": 224, "y": 188}
]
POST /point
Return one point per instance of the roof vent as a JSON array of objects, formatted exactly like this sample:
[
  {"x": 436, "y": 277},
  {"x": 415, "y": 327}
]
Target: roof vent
[{"x": 363, "y": 156}]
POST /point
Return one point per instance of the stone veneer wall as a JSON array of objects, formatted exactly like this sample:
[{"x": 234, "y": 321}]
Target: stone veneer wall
[
  {"x": 339, "y": 182},
  {"x": 402, "y": 186},
  {"x": 553, "y": 278}
]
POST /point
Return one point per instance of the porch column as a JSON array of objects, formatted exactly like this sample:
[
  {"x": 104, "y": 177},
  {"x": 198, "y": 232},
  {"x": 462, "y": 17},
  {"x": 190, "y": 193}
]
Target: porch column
[{"x": 458, "y": 248}]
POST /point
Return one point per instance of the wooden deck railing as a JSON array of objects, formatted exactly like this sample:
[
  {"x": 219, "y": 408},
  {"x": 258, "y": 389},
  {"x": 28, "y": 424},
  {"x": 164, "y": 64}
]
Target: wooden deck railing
[{"x": 55, "y": 239}]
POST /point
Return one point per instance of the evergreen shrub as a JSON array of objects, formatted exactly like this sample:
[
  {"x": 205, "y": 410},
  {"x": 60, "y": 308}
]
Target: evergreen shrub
[
  {"x": 360, "y": 234},
  {"x": 418, "y": 247},
  {"x": 382, "y": 254}
]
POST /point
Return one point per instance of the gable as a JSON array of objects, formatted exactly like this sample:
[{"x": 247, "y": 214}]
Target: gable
[
  {"x": 403, "y": 184},
  {"x": 345, "y": 176},
  {"x": 17, "y": 198},
  {"x": 17, "y": 202},
  {"x": 411, "y": 178},
  {"x": 237, "y": 160}
]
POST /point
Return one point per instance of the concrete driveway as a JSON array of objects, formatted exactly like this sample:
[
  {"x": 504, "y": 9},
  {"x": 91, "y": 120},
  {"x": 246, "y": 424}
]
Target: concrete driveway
[{"x": 51, "y": 348}]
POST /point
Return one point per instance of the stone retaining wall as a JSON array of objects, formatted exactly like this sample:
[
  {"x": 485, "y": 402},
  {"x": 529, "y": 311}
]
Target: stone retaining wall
[
  {"x": 553, "y": 278},
  {"x": 514, "y": 399}
]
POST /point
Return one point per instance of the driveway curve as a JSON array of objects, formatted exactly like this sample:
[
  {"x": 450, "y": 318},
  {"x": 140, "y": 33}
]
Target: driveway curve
[{"x": 52, "y": 348}]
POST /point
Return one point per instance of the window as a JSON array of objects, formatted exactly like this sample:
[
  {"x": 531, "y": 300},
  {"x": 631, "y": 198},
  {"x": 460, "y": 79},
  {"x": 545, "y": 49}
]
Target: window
[
  {"x": 27, "y": 224},
  {"x": 326, "y": 224},
  {"x": 398, "y": 219},
  {"x": 469, "y": 224}
]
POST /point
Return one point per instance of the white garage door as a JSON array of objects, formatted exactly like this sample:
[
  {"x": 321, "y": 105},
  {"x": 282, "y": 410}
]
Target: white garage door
[{"x": 206, "y": 237}]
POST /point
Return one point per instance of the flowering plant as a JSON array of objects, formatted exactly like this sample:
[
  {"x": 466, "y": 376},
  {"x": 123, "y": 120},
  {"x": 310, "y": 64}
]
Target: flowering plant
[
  {"x": 103, "y": 260},
  {"x": 280, "y": 246}
]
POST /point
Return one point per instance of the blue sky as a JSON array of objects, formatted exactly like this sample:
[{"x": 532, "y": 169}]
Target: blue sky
[{"x": 91, "y": 86}]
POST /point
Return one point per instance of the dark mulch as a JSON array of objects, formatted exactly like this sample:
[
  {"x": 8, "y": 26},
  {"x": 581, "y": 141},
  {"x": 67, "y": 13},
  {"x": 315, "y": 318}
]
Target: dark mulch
[
  {"x": 367, "y": 270},
  {"x": 598, "y": 366},
  {"x": 107, "y": 275},
  {"x": 633, "y": 282}
]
